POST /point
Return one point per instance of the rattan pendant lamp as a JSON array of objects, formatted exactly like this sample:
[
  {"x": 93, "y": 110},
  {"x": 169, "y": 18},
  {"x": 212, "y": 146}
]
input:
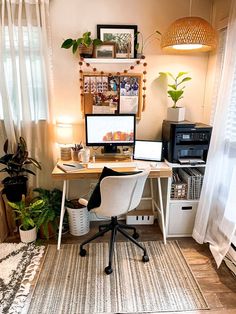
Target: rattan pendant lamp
[{"x": 189, "y": 34}]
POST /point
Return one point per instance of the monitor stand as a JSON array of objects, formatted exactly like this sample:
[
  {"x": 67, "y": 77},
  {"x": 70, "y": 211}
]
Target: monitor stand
[{"x": 110, "y": 149}]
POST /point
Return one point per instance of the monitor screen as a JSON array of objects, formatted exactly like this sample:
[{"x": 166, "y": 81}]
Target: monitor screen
[
  {"x": 148, "y": 150},
  {"x": 110, "y": 130}
]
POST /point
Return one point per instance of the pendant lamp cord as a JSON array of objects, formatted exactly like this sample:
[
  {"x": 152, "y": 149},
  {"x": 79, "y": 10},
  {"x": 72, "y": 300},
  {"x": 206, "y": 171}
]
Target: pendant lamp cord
[{"x": 190, "y": 8}]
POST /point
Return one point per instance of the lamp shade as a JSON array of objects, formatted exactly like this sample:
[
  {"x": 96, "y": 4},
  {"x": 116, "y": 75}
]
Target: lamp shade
[
  {"x": 189, "y": 33},
  {"x": 64, "y": 133}
]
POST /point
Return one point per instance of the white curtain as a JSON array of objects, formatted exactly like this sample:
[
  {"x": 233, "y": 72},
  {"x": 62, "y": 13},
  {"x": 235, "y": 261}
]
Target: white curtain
[
  {"x": 216, "y": 216},
  {"x": 25, "y": 80}
]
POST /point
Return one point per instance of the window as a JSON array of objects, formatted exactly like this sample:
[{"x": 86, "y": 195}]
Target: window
[{"x": 24, "y": 73}]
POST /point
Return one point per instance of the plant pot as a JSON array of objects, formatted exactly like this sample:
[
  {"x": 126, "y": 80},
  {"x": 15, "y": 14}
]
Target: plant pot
[
  {"x": 51, "y": 231},
  {"x": 86, "y": 52},
  {"x": 176, "y": 114},
  {"x": 15, "y": 190},
  {"x": 28, "y": 236}
]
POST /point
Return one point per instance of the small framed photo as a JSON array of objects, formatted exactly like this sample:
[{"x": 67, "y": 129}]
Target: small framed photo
[
  {"x": 123, "y": 35},
  {"x": 106, "y": 50}
]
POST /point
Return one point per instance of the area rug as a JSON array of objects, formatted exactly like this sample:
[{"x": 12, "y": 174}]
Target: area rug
[
  {"x": 18, "y": 265},
  {"x": 69, "y": 283}
]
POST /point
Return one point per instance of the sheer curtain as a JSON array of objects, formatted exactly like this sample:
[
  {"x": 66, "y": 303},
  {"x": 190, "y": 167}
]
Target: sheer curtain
[
  {"x": 25, "y": 79},
  {"x": 216, "y": 216}
]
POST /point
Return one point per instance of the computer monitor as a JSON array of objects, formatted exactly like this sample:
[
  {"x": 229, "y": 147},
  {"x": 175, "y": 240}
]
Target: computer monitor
[{"x": 110, "y": 130}]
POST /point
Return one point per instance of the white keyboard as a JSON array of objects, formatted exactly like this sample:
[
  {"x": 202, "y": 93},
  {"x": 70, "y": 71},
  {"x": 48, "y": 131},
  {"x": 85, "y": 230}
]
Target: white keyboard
[{"x": 100, "y": 165}]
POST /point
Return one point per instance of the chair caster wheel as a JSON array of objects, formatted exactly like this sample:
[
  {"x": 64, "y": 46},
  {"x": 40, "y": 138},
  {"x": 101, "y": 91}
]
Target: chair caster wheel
[
  {"x": 135, "y": 235},
  {"x": 145, "y": 258},
  {"x": 101, "y": 229},
  {"x": 82, "y": 252},
  {"x": 108, "y": 270}
]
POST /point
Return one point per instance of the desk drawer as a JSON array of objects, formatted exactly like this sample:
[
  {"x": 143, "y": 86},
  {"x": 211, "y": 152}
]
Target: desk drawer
[{"x": 181, "y": 218}]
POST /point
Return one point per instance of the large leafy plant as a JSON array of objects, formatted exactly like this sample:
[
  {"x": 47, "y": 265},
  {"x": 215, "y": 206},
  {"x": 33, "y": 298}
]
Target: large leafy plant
[
  {"x": 28, "y": 214},
  {"x": 85, "y": 40},
  {"x": 16, "y": 163},
  {"x": 176, "y": 89},
  {"x": 50, "y": 210}
]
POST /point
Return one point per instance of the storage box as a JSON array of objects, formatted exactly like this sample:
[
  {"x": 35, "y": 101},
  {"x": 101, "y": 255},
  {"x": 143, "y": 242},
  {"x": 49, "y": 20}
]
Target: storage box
[
  {"x": 181, "y": 218},
  {"x": 140, "y": 217},
  {"x": 179, "y": 191}
]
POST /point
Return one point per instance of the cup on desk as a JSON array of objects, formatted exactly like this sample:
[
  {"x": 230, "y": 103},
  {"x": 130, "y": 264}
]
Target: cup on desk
[{"x": 84, "y": 155}]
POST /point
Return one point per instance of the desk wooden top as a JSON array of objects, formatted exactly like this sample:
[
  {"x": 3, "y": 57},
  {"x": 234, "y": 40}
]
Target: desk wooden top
[{"x": 164, "y": 171}]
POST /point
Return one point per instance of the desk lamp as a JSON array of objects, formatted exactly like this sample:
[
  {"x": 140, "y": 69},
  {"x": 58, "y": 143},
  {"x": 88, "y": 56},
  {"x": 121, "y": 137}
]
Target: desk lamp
[{"x": 64, "y": 139}]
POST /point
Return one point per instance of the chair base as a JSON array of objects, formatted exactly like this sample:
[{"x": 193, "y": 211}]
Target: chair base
[{"x": 115, "y": 227}]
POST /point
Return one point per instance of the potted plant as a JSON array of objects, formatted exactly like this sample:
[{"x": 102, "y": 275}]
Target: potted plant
[
  {"x": 28, "y": 215},
  {"x": 16, "y": 166},
  {"x": 85, "y": 44},
  {"x": 49, "y": 216},
  {"x": 176, "y": 93}
]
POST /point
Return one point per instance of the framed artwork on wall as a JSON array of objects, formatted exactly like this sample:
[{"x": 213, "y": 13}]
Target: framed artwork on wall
[{"x": 124, "y": 36}]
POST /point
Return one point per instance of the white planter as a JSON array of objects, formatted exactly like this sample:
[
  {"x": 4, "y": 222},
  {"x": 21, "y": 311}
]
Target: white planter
[
  {"x": 28, "y": 236},
  {"x": 176, "y": 114}
]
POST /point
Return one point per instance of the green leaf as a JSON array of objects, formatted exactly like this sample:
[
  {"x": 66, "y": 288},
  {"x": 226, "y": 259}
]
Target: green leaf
[
  {"x": 31, "y": 222},
  {"x": 34, "y": 162},
  {"x": 175, "y": 94},
  {"x": 14, "y": 205},
  {"x": 173, "y": 86},
  {"x": 185, "y": 80},
  {"x": 5, "y": 147},
  {"x": 37, "y": 204},
  {"x": 137, "y": 46},
  {"x": 79, "y": 41},
  {"x": 181, "y": 74},
  {"x": 74, "y": 48},
  {"x": 97, "y": 42},
  {"x": 67, "y": 43}
]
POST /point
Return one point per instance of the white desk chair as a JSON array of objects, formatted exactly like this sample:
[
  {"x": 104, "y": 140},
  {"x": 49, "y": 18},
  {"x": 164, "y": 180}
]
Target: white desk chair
[{"x": 119, "y": 194}]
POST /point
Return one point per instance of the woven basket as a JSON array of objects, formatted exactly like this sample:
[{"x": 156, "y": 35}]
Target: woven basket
[{"x": 78, "y": 220}]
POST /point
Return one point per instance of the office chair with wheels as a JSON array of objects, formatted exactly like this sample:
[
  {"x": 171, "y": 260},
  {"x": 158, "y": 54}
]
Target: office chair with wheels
[{"x": 119, "y": 194}]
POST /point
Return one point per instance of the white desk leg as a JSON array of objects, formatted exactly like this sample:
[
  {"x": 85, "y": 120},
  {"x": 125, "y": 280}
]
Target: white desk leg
[
  {"x": 62, "y": 213},
  {"x": 152, "y": 194},
  {"x": 162, "y": 210}
]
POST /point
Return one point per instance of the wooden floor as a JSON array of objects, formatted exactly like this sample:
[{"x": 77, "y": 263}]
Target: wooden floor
[{"x": 218, "y": 285}]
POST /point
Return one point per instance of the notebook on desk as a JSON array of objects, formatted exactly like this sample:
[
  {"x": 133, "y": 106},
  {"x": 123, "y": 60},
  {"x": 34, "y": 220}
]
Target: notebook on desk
[{"x": 70, "y": 166}]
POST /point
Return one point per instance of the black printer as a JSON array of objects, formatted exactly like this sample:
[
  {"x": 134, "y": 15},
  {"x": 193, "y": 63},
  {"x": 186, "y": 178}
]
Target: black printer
[{"x": 185, "y": 142}]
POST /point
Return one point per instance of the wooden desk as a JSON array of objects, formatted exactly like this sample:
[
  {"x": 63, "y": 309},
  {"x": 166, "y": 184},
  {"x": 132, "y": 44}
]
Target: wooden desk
[{"x": 164, "y": 171}]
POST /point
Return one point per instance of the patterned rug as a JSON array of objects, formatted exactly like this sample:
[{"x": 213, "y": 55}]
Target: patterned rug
[
  {"x": 18, "y": 265},
  {"x": 69, "y": 283}
]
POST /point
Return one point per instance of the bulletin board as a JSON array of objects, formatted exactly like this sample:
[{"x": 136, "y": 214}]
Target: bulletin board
[{"x": 112, "y": 93}]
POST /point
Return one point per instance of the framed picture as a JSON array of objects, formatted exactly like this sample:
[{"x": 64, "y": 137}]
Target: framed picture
[
  {"x": 123, "y": 35},
  {"x": 106, "y": 50}
]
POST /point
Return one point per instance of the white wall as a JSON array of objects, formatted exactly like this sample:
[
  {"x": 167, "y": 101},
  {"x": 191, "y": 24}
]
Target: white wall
[{"x": 71, "y": 18}]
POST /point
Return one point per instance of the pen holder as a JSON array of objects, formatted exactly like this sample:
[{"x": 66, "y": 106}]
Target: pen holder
[{"x": 75, "y": 155}]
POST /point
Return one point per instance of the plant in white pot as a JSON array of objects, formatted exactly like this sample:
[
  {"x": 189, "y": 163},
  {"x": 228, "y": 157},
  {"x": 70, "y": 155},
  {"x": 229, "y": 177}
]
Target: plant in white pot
[
  {"x": 28, "y": 215},
  {"x": 176, "y": 92}
]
